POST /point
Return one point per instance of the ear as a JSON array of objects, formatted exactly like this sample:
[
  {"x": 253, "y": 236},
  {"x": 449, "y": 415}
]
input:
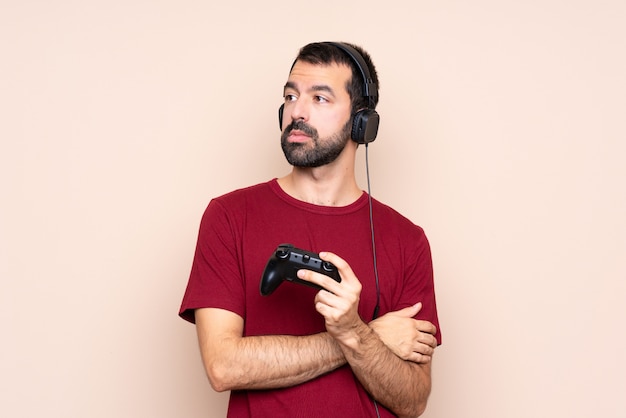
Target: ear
[
  {"x": 280, "y": 116},
  {"x": 365, "y": 126}
]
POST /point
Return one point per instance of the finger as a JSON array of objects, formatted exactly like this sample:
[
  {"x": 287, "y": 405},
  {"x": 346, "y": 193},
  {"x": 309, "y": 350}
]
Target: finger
[
  {"x": 345, "y": 271},
  {"x": 318, "y": 279},
  {"x": 349, "y": 285},
  {"x": 309, "y": 276},
  {"x": 427, "y": 340},
  {"x": 426, "y": 326},
  {"x": 418, "y": 307},
  {"x": 330, "y": 299},
  {"x": 419, "y": 358},
  {"x": 425, "y": 349},
  {"x": 409, "y": 311}
]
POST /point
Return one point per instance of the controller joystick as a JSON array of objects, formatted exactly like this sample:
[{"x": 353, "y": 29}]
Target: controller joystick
[
  {"x": 327, "y": 266},
  {"x": 285, "y": 263}
]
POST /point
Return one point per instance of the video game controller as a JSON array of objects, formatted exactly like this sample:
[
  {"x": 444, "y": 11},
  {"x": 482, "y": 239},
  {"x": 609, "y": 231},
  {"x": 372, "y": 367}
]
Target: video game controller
[{"x": 285, "y": 263}]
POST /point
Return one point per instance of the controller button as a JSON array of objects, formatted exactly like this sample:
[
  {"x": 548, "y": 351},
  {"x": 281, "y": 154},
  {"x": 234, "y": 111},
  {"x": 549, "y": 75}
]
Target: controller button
[
  {"x": 306, "y": 258},
  {"x": 327, "y": 266}
]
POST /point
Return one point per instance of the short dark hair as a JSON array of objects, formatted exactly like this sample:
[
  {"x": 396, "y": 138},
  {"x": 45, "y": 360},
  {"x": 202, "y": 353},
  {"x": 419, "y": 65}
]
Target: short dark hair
[{"x": 322, "y": 53}]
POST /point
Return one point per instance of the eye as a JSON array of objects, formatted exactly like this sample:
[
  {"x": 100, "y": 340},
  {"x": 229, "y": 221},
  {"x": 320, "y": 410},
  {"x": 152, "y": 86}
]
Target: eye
[
  {"x": 290, "y": 97},
  {"x": 321, "y": 99}
]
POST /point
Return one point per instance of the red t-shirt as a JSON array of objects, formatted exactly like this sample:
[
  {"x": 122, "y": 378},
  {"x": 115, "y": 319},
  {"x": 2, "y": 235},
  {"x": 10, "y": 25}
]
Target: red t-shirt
[{"x": 240, "y": 231}]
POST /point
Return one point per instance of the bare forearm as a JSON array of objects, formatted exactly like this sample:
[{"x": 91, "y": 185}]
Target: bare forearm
[
  {"x": 402, "y": 386},
  {"x": 267, "y": 362}
]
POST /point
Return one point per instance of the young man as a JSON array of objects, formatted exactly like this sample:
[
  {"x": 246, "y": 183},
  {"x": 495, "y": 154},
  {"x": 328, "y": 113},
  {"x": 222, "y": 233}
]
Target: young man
[{"x": 300, "y": 352}]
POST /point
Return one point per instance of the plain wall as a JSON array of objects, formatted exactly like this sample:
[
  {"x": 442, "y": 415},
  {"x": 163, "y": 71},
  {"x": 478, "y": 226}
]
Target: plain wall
[{"x": 502, "y": 134}]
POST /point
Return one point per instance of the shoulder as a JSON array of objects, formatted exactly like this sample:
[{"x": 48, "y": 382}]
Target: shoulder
[
  {"x": 244, "y": 193},
  {"x": 393, "y": 218},
  {"x": 241, "y": 199},
  {"x": 395, "y": 230},
  {"x": 234, "y": 204}
]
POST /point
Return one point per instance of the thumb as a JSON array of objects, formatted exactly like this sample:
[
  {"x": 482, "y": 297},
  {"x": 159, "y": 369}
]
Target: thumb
[{"x": 410, "y": 311}]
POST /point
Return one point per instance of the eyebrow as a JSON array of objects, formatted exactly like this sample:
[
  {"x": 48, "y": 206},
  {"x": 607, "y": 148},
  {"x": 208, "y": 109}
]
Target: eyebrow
[{"x": 317, "y": 87}]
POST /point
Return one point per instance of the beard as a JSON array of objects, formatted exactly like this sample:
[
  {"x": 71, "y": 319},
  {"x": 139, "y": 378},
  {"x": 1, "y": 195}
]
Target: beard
[{"x": 317, "y": 154}]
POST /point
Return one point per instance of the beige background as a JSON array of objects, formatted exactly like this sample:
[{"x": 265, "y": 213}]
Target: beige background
[{"x": 502, "y": 135}]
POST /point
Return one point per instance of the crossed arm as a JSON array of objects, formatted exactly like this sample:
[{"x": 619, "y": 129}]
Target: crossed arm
[
  {"x": 261, "y": 362},
  {"x": 390, "y": 356},
  {"x": 402, "y": 386}
]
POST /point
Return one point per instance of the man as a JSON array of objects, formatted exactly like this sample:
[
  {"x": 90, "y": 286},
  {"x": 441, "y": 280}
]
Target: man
[{"x": 300, "y": 352}]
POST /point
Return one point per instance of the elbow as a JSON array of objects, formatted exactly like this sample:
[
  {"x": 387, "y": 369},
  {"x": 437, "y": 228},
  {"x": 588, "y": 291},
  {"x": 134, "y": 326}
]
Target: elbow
[
  {"x": 415, "y": 411},
  {"x": 219, "y": 377},
  {"x": 218, "y": 386},
  {"x": 223, "y": 372},
  {"x": 414, "y": 414},
  {"x": 421, "y": 408}
]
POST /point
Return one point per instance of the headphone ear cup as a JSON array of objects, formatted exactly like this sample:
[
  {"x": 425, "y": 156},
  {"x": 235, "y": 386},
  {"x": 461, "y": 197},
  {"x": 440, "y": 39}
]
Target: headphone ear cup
[
  {"x": 280, "y": 116},
  {"x": 365, "y": 126}
]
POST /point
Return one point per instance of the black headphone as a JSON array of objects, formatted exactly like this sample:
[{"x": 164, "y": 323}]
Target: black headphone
[{"x": 365, "y": 121}]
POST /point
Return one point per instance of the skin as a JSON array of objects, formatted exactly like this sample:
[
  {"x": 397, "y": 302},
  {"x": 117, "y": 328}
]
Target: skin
[
  {"x": 391, "y": 356},
  {"x": 402, "y": 386}
]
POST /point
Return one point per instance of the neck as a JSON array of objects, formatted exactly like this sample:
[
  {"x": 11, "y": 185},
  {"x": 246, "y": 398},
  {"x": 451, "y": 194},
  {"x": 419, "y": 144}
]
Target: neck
[{"x": 330, "y": 185}]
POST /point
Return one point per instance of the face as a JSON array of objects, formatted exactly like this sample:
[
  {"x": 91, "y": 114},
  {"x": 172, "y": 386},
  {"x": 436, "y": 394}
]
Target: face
[{"x": 316, "y": 114}]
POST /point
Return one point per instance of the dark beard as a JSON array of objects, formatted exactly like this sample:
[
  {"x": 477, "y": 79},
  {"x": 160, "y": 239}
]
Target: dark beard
[{"x": 317, "y": 155}]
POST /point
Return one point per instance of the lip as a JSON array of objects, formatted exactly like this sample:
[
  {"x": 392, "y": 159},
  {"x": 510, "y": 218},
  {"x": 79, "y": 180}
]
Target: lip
[{"x": 298, "y": 136}]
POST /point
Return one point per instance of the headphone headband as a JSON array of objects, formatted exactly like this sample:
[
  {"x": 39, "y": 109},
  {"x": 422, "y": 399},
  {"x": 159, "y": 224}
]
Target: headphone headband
[{"x": 370, "y": 89}]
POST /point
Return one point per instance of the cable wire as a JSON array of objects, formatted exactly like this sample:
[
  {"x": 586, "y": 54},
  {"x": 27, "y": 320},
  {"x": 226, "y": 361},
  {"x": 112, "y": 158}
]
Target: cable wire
[{"x": 369, "y": 195}]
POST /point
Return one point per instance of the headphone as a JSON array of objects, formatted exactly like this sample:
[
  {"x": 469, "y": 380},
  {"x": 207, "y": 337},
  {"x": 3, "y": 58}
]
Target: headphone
[{"x": 365, "y": 121}]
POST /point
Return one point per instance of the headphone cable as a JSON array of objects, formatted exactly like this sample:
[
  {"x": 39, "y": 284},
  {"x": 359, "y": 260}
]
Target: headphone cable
[{"x": 369, "y": 195}]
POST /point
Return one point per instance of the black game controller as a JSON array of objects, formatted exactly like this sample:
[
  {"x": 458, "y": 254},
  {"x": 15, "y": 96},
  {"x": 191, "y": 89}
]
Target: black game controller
[{"x": 285, "y": 263}]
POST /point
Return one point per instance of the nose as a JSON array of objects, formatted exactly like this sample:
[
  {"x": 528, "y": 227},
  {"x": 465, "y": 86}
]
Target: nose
[{"x": 299, "y": 110}]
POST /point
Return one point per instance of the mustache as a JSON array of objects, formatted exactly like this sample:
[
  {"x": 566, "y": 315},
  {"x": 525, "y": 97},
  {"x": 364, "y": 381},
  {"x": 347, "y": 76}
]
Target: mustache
[{"x": 299, "y": 125}]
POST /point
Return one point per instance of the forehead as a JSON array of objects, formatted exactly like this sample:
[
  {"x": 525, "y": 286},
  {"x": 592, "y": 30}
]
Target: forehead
[{"x": 305, "y": 76}]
